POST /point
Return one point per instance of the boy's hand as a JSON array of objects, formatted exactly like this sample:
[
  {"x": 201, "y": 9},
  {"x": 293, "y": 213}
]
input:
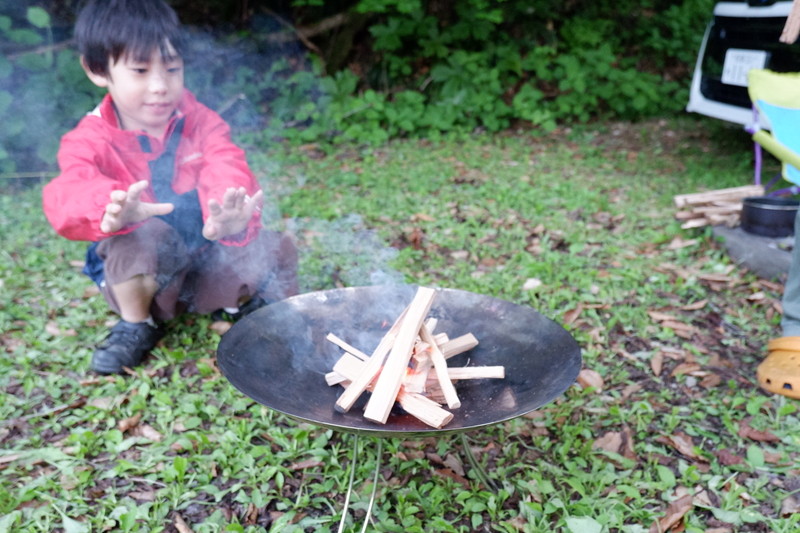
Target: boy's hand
[
  {"x": 125, "y": 208},
  {"x": 232, "y": 215}
]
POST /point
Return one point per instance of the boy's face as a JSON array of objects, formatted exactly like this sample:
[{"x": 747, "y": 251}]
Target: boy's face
[{"x": 145, "y": 93}]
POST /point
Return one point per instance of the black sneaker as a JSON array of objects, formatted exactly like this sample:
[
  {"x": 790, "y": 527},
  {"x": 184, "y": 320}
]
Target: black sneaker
[
  {"x": 253, "y": 304},
  {"x": 126, "y": 345}
]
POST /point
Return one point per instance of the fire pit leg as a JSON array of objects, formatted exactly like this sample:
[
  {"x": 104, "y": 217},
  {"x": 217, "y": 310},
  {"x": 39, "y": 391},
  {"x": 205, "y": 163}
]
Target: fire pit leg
[
  {"x": 353, "y": 465},
  {"x": 482, "y": 475}
]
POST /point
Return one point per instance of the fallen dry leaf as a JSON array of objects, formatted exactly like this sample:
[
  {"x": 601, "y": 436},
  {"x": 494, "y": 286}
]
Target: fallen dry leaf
[
  {"x": 683, "y": 444},
  {"x": 790, "y": 505},
  {"x": 455, "y": 464},
  {"x": 308, "y": 463},
  {"x": 711, "y": 381},
  {"x": 678, "y": 243},
  {"x": 590, "y": 378},
  {"x": 220, "y": 327},
  {"x": 144, "y": 495},
  {"x": 630, "y": 389},
  {"x": 9, "y": 458},
  {"x": 618, "y": 442},
  {"x": 658, "y": 316},
  {"x": 696, "y": 306},
  {"x": 675, "y": 513},
  {"x": 657, "y": 363},
  {"x": 101, "y": 403},
  {"x": 572, "y": 315},
  {"x": 685, "y": 368},
  {"x": 128, "y": 423},
  {"x": 147, "y": 431},
  {"x": 746, "y": 431},
  {"x": 728, "y": 458},
  {"x": 53, "y": 329},
  {"x": 446, "y": 472},
  {"x": 181, "y": 525}
]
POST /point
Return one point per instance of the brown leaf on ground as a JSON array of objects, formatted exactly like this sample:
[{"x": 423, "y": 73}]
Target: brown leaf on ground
[
  {"x": 129, "y": 423},
  {"x": 678, "y": 243},
  {"x": 590, "y": 378},
  {"x": 251, "y": 516},
  {"x": 9, "y": 458},
  {"x": 631, "y": 389},
  {"x": 683, "y": 444},
  {"x": 711, "y": 381},
  {"x": 696, "y": 306},
  {"x": 790, "y": 505},
  {"x": 685, "y": 331},
  {"x": 618, "y": 442},
  {"x": 454, "y": 463},
  {"x": 746, "y": 431},
  {"x": 90, "y": 292},
  {"x": 446, "y": 472},
  {"x": 220, "y": 327},
  {"x": 52, "y": 328},
  {"x": 675, "y": 513},
  {"x": 610, "y": 442},
  {"x": 148, "y": 432},
  {"x": 308, "y": 463},
  {"x": 144, "y": 495},
  {"x": 572, "y": 315},
  {"x": 657, "y": 363},
  {"x": 685, "y": 368},
  {"x": 181, "y": 525},
  {"x": 728, "y": 458},
  {"x": 658, "y": 316}
]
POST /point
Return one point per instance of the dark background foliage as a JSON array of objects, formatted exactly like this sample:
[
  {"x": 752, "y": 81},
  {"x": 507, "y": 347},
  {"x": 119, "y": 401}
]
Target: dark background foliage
[{"x": 366, "y": 71}]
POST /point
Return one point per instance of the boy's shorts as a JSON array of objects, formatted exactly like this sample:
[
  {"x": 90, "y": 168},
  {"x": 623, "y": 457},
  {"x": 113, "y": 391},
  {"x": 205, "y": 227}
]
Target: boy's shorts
[{"x": 211, "y": 277}]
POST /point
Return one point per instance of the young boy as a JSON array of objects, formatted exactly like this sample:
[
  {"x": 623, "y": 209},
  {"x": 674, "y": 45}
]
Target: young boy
[{"x": 152, "y": 178}]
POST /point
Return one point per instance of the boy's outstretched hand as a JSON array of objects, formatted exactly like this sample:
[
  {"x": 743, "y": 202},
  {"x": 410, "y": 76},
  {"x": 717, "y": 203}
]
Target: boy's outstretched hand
[
  {"x": 125, "y": 208},
  {"x": 232, "y": 215}
]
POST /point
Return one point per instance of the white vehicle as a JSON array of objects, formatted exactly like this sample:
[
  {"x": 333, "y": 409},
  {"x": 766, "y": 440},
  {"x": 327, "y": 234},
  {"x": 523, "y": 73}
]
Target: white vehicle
[{"x": 742, "y": 35}]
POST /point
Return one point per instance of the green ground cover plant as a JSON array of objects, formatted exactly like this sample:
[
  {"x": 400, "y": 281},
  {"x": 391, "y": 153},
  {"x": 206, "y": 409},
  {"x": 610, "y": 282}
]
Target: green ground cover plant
[{"x": 665, "y": 429}]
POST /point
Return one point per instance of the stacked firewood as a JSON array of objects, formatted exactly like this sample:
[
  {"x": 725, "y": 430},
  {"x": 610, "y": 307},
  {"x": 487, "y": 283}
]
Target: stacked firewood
[
  {"x": 409, "y": 367},
  {"x": 713, "y": 208}
]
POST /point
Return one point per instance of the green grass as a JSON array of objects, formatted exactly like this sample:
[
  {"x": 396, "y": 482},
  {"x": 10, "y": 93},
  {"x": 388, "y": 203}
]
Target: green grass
[{"x": 587, "y": 212}]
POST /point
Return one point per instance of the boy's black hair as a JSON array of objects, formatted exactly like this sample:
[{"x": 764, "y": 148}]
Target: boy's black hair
[{"x": 108, "y": 29}]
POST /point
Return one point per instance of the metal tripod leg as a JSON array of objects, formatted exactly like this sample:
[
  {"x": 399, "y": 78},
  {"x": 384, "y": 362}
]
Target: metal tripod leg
[{"x": 353, "y": 464}]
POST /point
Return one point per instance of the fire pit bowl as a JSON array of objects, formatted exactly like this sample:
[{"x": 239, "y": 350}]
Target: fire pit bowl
[{"x": 278, "y": 356}]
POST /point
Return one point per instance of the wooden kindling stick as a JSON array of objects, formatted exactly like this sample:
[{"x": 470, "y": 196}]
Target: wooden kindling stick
[
  {"x": 371, "y": 369},
  {"x": 791, "y": 29},
  {"x": 440, "y": 366},
  {"x": 384, "y": 393}
]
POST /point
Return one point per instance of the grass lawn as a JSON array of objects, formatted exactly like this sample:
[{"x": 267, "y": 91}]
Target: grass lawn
[{"x": 665, "y": 430}]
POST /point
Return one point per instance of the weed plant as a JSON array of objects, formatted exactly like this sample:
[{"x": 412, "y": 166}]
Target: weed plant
[{"x": 578, "y": 224}]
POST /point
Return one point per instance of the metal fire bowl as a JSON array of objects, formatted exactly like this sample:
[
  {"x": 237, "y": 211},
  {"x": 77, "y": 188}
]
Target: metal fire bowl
[{"x": 278, "y": 356}]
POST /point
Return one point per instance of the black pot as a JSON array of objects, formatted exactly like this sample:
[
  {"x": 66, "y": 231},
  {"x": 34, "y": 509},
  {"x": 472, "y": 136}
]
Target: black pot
[{"x": 768, "y": 216}]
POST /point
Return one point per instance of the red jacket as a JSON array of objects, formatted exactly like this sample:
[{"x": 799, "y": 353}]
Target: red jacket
[{"x": 98, "y": 157}]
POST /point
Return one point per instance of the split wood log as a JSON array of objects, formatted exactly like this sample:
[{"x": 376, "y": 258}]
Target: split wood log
[
  {"x": 791, "y": 29},
  {"x": 346, "y": 347},
  {"x": 372, "y": 368},
  {"x": 720, "y": 195},
  {"x": 440, "y": 366},
  {"x": 424, "y": 409},
  {"x": 386, "y": 388},
  {"x": 476, "y": 372},
  {"x": 459, "y": 345}
]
